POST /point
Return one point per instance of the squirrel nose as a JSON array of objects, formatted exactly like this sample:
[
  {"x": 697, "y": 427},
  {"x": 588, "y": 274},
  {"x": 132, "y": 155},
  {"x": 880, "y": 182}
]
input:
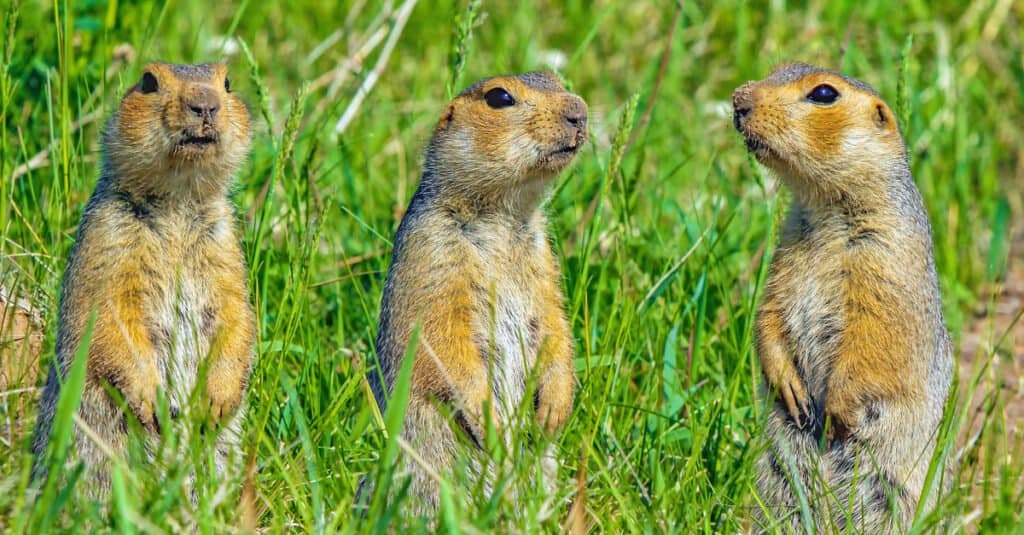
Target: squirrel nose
[
  {"x": 737, "y": 116},
  {"x": 203, "y": 103},
  {"x": 742, "y": 104},
  {"x": 575, "y": 114},
  {"x": 204, "y": 110}
]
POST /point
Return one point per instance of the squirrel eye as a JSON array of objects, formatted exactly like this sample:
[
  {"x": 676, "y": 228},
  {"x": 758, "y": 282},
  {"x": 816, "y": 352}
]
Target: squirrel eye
[
  {"x": 823, "y": 94},
  {"x": 149, "y": 83},
  {"x": 499, "y": 98},
  {"x": 227, "y": 85}
]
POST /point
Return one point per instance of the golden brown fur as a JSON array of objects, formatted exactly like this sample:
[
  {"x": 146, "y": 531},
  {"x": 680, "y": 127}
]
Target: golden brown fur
[
  {"x": 157, "y": 259},
  {"x": 850, "y": 333},
  {"x": 472, "y": 267}
]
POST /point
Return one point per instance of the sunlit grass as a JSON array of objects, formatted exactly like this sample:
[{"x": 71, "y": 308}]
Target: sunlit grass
[{"x": 663, "y": 246}]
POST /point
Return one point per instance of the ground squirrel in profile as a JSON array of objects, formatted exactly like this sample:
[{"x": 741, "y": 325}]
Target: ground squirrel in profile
[
  {"x": 157, "y": 259},
  {"x": 850, "y": 332},
  {"x": 472, "y": 267}
]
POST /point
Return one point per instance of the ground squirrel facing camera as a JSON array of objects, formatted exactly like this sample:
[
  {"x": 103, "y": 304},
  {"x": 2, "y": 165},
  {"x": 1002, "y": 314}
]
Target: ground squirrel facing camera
[
  {"x": 473, "y": 268},
  {"x": 850, "y": 332},
  {"x": 157, "y": 260}
]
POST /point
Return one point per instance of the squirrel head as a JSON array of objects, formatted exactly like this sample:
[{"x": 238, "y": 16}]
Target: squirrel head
[
  {"x": 180, "y": 128},
  {"x": 825, "y": 134},
  {"x": 507, "y": 136}
]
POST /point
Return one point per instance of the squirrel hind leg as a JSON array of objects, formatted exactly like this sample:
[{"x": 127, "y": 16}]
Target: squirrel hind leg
[
  {"x": 790, "y": 460},
  {"x": 867, "y": 496},
  {"x": 109, "y": 425},
  {"x": 432, "y": 437},
  {"x": 879, "y": 504}
]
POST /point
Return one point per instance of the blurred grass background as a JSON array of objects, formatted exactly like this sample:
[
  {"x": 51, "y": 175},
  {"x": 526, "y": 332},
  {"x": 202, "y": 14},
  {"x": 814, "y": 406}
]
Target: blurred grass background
[{"x": 662, "y": 255}]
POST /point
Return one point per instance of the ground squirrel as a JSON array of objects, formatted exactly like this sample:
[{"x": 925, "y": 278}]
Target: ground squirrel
[
  {"x": 850, "y": 332},
  {"x": 158, "y": 260},
  {"x": 473, "y": 268}
]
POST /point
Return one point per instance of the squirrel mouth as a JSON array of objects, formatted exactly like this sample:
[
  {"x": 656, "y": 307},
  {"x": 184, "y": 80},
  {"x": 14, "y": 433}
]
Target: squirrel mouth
[
  {"x": 190, "y": 140},
  {"x": 564, "y": 151},
  {"x": 756, "y": 146},
  {"x": 560, "y": 157},
  {"x": 198, "y": 140},
  {"x": 568, "y": 149}
]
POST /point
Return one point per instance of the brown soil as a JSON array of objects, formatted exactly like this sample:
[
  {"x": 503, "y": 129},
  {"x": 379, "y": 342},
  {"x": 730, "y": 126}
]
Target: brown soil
[
  {"x": 997, "y": 333},
  {"x": 995, "y": 336},
  {"x": 21, "y": 340}
]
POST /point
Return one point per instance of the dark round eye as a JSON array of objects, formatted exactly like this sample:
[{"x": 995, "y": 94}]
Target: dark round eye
[
  {"x": 823, "y": 94},
  {"x": 499, "y": 98},
  {"x": 149, "y": 84},
  {"x": 227, "y": 85}
]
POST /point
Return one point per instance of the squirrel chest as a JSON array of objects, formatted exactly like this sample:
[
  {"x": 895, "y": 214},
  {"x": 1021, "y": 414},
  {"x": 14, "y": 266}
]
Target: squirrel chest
[
  {"x": 508, "y": 299},
  {"x": 191, "y": 252},
  {"x": 809, "y": 273}
]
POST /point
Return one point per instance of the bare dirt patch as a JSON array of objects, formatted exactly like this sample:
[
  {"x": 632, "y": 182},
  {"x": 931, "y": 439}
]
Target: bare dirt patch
[
  {"x": 996, "y": 335},
  {"x": 21, "y": 340},
  {"x": 997, "y": 331}
]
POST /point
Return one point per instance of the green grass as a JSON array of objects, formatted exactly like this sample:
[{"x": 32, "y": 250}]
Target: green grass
[{"x": 662, "y": 279}]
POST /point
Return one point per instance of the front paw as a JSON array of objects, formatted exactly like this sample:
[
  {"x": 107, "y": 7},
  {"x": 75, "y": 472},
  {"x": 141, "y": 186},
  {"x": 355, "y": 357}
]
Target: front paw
[
  {"x": 843, "y": 417},
  {"x": 221, "y": 407},
  {"x": 140, "y": 395},
  {"x": 553, "y": 404},
  {"x": 477, "y": 423},
  {"x": 838, "y": 431},
  {"x": 793, "y": 395},
  {"x": 225, "y": 396}
]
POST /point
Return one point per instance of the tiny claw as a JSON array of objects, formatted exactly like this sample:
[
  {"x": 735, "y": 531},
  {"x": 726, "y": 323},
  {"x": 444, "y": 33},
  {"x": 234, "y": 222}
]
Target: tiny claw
[
  {"x": 796, "y": 400},
  {"x": 791, "y": 406},
  {"x": 147, "y": 418},
  {"x": 838, "y": 431},
  {"x": 215, "y": 414}
]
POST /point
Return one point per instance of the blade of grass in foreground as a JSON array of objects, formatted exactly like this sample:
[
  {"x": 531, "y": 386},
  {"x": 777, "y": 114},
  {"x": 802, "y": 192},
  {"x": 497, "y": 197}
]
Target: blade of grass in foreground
[
  {"x": 394, "y": 417},
  {"x": 308, "y": 453},
  {"x": 120, "y": 497},
  {"x": 61, "y": 433},
  {"x": 461, "y": 49}
]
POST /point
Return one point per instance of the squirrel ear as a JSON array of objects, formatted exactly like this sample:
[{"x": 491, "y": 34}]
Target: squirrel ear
[
  {"x": 446, "y": 117},
  {"x": 883, "y": 118}
]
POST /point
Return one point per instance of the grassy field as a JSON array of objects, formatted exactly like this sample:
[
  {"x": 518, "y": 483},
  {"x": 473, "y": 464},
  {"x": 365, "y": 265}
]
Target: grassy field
[{"x": 662, "y": 239}]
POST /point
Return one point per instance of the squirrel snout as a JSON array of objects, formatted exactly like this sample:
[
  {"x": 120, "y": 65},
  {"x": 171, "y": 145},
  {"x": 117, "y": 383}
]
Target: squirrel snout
[
  {"x": 575, "y": 114},
  {"x": 742, "y": 104},
  {"x": 203, "y": 102}
]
